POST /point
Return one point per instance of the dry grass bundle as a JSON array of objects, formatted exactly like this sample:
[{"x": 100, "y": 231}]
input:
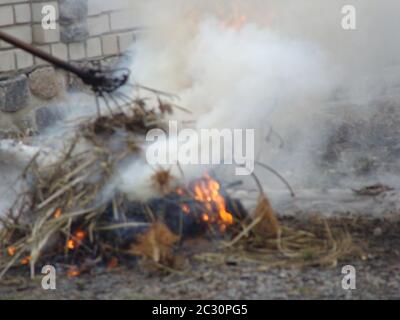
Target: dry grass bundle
[
  {"x": 156, "y": 244},
  {"x": 66, "y": 196},
  {"x": 265, "y": 241},
  {"x": 268, "y": 227},
  {"x": 162, "y": 181}
]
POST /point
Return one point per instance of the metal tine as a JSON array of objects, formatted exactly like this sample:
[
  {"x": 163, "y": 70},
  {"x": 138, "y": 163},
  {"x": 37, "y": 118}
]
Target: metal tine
[
  {"x": 115, "y": 102},
  {"x": 129, "y": 102},
  {"x": 125, "y": 101},
  {"x": 106, "y": 102},
  {"x": 98, "y": 104},
  {"x": 121, "y": 94},
  {"x": 156, "y": 92}
]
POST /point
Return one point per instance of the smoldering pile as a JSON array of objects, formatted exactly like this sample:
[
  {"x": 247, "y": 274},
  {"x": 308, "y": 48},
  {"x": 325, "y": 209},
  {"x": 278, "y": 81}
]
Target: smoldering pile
[
  {"x": 68, "y": 216},
  {"x": 64, "y": 209}
]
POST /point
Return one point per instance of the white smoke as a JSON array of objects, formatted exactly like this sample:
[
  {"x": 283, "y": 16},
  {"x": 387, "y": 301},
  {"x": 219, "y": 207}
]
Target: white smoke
[
  {"x": 267, "y": 65},
  {"x": 280, "y": 65},
  {"x": 275, "y": 66}
]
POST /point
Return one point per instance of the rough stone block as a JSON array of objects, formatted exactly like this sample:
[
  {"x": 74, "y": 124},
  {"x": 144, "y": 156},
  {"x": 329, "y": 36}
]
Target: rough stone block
[
  {"x": 46, "y": 117},
  {"x": 14, "y": 94},
  {"x": 45, "y": 83},
  {"x": 25, "y": 123}
]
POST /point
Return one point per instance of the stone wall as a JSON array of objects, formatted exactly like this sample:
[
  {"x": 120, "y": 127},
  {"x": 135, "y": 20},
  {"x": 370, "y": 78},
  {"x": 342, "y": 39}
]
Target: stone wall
[{"x": 85, "y": 30}]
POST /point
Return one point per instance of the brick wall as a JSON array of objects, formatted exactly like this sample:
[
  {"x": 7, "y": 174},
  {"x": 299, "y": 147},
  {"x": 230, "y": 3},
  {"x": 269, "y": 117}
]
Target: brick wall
[{"x": 85, "y": 29}]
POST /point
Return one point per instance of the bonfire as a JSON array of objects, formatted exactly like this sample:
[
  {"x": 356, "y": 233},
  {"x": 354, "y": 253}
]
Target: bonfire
[{"x": 62, "y": 216}]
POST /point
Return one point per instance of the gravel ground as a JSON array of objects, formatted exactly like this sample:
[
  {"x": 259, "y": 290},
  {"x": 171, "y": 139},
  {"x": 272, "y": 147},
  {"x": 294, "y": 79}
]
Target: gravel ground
[
  {"x": 378, "y": 276},
  {"x": 357, "y": 148}
]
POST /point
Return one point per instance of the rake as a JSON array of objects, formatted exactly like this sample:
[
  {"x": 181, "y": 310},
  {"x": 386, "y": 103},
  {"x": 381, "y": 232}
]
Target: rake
[{"x": 105, "y": 83}]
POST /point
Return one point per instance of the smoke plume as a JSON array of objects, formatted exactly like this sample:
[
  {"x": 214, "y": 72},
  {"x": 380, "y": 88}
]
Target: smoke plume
[{"x": 285, "y": 68}]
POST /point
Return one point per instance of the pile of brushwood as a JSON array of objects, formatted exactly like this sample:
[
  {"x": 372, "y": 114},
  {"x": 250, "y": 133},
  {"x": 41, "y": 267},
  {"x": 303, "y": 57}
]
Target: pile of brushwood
[{"x": 62, "y": 218}]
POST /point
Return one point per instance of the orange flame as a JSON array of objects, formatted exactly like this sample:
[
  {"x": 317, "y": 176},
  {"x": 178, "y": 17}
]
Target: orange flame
[
  {"x": 80, "y": 235},
  {"x": 113, "y": 263},
  {"x": 205, "y": 217},
  {"x": 71, "y": 244},
  {"x": 185, "y": 208},
  {"x": 11, "y": 250},
  {"x": 76, "y": 240},
  {"x": 180, "y": 191},
  {"x": 73, "y": 272},
  {"x": 57, "y": 213},
  {"x": 208, "y": 191},
  {"x": 26, "y": 260},
  {"x": 237, "y": 22},
  {"x": 233, "y": 18}
]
